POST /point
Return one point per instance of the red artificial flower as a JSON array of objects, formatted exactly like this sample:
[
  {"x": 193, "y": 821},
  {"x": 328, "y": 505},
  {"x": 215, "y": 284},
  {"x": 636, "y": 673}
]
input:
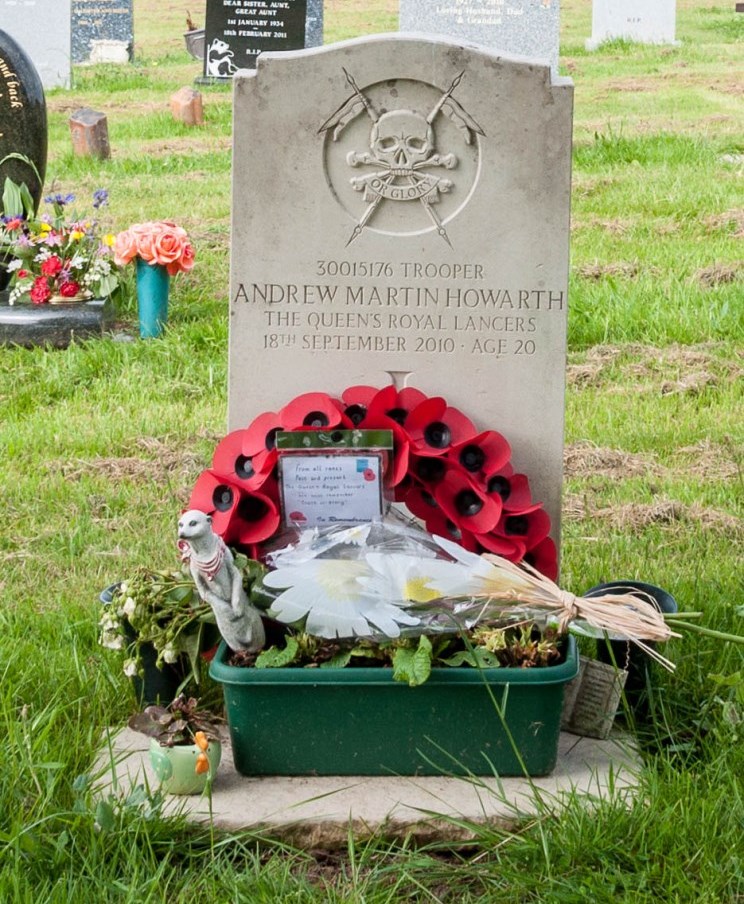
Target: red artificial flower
[
  {"x": 420, "y": 502},
  {"x": 40, "y": 291},
  {"x": 14, "y": 223},
  {"x": 355, "y": 402},
  {"x": 433, "y": 427},
  {"x": 528, "y": 527},
  {"x": 69, "y": 289},
  {"x": 507, "y": 547},
  {"x": 544, "y": 557},
  {"x": 256, "y": 519},
  {"x": 394, "y": 403},
  {"x": 23, "y": 274},
  {"x": 441, "y": 526},
  {"x": 237, "y": 515},
  {"x": 465, "y": 504},
  {"x": 51, "y": 266},
  {"x": 215, "y": 496},
  {"x": 483, "y": 454},
  {"x": 513, "y": 489},
  {"x": 312, "y": 409},
  {"x": 260, "y": 435},
  {"x": 248, "y": 472}
]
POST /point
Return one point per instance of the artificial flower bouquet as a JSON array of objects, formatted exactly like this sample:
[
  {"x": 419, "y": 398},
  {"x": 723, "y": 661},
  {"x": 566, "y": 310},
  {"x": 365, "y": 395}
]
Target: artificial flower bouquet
[
  {"x": 159, "y": 242},
  {"x": 58, "y": 256}
]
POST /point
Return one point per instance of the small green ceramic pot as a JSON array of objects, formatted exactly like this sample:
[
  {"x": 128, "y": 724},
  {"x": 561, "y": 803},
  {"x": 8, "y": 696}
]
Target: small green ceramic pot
[{"x": 176, "y": 766}]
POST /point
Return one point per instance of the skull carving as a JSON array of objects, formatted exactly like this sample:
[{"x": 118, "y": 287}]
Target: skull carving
[{"x": 401, "y": 139}]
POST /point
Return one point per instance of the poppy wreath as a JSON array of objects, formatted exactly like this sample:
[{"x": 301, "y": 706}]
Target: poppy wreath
[{"x": 458, "y": 481}]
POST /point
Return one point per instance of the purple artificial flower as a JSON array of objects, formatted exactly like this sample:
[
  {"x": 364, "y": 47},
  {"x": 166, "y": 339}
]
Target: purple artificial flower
[
  {"x": 100, "y": 198},
  {"x": 59, "y": 199}
]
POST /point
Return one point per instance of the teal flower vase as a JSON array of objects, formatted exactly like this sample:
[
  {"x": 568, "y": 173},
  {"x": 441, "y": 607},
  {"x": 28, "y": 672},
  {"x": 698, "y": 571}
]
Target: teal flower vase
[{"x": 153, "y": 282}]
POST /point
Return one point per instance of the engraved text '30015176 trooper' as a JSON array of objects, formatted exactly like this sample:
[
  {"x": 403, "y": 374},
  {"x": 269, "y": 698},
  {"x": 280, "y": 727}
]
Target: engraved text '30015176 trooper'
[{"x": 402, "y": 148}]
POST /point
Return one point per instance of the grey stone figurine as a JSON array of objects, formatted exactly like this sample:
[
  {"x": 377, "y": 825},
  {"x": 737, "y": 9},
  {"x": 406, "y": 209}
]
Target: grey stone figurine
[{"x": 219, "y": 582}]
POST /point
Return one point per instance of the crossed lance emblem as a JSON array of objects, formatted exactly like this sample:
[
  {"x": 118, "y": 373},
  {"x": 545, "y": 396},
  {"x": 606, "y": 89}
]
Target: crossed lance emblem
[{"x": 402, "y": 147}]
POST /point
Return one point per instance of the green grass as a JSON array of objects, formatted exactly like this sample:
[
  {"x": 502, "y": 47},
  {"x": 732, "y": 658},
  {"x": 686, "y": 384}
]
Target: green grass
[{"x": 100, "y": 445}]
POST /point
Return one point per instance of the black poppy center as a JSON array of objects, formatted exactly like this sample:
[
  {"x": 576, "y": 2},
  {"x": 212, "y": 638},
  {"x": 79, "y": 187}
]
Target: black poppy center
[
  {"x": 316, "y": 419},
  {"x": 270, "y": 440},
  {"x": 244, "y": 467},
  {"x": 472, "y": 458},
  {"x": 516, "y": 525},
  {"x": 251, "y": 508},
  {"x": 398, "y": 415},
  {"x": 437, "y": 435},
  {"x": 430, "y": 469},
  {"x": 356, "y": 414},
  {"x": 468, "y": 503},
  {"x": 222, "y": 498},
  {"x": 429, "y": 499},
  {"x": 500, "y": 485},
  {"x": 453, "y": 530}
]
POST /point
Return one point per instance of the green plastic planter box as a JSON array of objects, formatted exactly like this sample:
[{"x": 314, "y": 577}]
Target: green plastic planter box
[{"x": 358, "y": 721}]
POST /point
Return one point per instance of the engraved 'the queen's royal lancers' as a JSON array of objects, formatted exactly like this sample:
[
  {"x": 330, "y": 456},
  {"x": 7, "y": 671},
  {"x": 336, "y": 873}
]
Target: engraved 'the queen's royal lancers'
[{"x": 403, "y": 150}]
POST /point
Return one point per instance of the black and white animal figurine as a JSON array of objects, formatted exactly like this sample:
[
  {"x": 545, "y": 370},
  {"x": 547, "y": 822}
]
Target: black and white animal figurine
[{"x": 219, "y": 582}]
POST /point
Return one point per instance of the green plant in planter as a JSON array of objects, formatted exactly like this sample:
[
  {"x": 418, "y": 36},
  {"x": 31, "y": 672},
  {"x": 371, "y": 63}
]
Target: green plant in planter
[{"x": 177, "y": 724}]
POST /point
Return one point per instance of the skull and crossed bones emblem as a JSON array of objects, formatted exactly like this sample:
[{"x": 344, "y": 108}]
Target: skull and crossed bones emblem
[{"x": 402, "y": 150}]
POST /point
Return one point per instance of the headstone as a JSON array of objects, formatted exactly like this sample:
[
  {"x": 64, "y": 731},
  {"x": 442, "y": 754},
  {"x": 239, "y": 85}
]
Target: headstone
[
  {"x": 102, "y": 31},
  {"x": 527, "y": 28},
  {"x": 405, "y": 216},
  {"x": 42, "y": 28},
  {"x": 23, "y": 122},
  {"x": 187, "y": 106},
  {"x": 644, "y": 21},
  {"x": 89, "y": 133},
  {"x": 238, "y": 30}
]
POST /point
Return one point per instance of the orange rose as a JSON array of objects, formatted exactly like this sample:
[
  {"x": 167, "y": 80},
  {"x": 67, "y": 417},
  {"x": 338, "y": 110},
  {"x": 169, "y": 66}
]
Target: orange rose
[
  {"x": 167, "y": 245},
  {"x": 185, "y": 261},
  {"x": 125, "y": 248},
  {"x": 146, "y": 247}
]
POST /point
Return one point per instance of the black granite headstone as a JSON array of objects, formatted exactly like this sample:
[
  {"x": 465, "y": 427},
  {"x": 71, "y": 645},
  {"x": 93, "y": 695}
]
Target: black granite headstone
[
  {"x": 238, "y": 30},
  {"x": 23, "y": 122},
  {"x": 100, "y": 20}
]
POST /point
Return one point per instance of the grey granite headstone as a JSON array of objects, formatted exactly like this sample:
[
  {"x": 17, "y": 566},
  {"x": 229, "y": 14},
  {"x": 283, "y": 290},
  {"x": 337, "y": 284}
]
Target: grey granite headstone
[
  {"x": 238, "y": 30},
  {"x": 42, "y": 28},
  {"x": 405, "y": 216},
  {"x": 515, "y": 27},
  {"x": 643, "y": 21},
  {"x": 101, "y": 29},
  {"x": 28, "y": 325}
]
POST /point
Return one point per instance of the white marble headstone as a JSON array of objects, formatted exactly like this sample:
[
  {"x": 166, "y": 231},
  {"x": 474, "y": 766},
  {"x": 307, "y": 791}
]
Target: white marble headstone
[
  {"x": 527, "y": 28},
  {"x": 644, "y": 21},
  {"x": 43, "y": 29},
  {"x": 446, "y": 270}
]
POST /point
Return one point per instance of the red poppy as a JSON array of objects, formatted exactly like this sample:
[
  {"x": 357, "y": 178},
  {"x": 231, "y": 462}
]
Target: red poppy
[
  {"x": 528, "y": 527},
  {"x": 248, "y": 472},
  {"x": 256, "y": 519},
  {"x": 314, "y": 410},
  {"x": 507, "y": 547},
  {"x": 433, "y": 427},
  {"x": 514, "y": 489},
  {"x": 355, "y": 402},
  {"x": 215, "y": 496},
  {"x": 465, "y": 504},
  {"x": 51, "y": 266},
  {"x": 260, "y": 434},
  {"x": 420, "y": 502},
  {"x": 544, "y": 557},
  {"x": 439, "y": 524},
  {"x": 40, "y": 291},
  {"x": 483, "y": 454},
  {"x": 394, "y": 403}
]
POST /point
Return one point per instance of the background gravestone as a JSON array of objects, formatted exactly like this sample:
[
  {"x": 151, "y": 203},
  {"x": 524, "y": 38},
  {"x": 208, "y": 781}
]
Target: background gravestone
[
  {"x": 645, "y": 21},
  {"x": 238, "y": 30},
  {"x": 23, "y": 122},
  {"x": 405, "y": 215},
  {"x": 524, "y": 27},
  {"x": 42, "y": 28},
  {"x": 102, "y": 31}
]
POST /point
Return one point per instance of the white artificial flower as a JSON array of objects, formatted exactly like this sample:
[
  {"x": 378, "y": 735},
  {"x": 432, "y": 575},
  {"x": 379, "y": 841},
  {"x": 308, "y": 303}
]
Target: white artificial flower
[
  {"x": 129, "y": 607},
  {"x": 109, "y": 624},
  {"x": 327, "y": 594},
  {"x": 112, "y": 641},
  {"x": 130, "y": 668},
  {"x": 43, "y": 254},
  {"x": 124, "y": 588},
  {"x": 410, "y": 579},
  {"x": 15, "y": 264},
  {"x": 169, "y": 654}
]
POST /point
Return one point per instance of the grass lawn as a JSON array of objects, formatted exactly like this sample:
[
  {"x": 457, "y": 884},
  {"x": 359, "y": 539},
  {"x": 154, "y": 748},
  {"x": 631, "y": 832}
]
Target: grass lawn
[{"x": 100, "y": 445}]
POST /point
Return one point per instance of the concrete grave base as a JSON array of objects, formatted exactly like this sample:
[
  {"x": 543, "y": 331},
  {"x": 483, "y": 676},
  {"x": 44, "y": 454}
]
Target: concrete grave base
[
  {"x": 56, "y": 325},
  {"x": 316, "y": 812}
]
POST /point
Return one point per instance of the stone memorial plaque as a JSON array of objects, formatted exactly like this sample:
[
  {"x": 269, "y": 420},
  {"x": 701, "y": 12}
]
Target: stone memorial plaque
[
  {"x": 42, "y": 28},
  {"x": 645, "y": 21},
  {"x": 238, "y": 30},
  {"x": 102, "y": 31},
  {"x": 515, "y": 27},
  {"x": 405, "y": 217}
]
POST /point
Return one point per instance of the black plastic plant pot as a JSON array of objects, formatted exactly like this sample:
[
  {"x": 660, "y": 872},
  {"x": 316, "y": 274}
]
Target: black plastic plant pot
[
  {"x": 156, "y": 685},
  {"x": 627, "y": 655}
]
